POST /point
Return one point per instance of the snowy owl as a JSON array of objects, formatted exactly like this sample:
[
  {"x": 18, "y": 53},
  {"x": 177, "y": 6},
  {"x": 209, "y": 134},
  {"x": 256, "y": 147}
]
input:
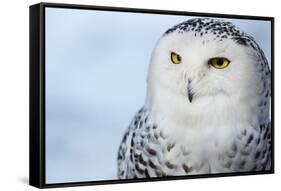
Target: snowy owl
[{"x": 207, "y": 105}]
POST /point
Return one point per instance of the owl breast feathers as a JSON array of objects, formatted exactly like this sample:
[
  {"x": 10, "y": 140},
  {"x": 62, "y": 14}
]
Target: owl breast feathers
[{"x": 207, "y": 108}]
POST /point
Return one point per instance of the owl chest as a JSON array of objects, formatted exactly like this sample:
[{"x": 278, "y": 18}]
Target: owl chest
[
  {"x": 194, "y": 151},
  {"x": 212, "y": 150}
]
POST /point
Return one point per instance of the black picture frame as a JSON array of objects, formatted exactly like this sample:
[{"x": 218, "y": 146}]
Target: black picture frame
[{"x": 37, "y": 93}]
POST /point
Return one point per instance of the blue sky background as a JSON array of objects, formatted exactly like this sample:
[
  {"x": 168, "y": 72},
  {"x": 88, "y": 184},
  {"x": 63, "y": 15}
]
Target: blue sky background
[{"x": 96, "y": 66}]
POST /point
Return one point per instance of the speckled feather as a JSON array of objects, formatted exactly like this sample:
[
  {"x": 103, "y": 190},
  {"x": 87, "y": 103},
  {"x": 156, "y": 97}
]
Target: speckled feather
[
  {"x": 145, "y": 151},
  {"x": 148, "y": 150}
]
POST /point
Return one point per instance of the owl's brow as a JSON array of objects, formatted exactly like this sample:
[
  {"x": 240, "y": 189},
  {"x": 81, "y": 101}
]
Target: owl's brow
[{"x": 222, "y": 49}]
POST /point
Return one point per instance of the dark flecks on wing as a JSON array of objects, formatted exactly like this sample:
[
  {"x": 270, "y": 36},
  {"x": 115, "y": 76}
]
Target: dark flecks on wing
[
  {"x": 242, "y": 163},
  {"x": 151, "y": 151},
  {"x": 186, "y": 168},
  {"x": 151, "y": 164},
  {"x": 170, "y": 165},
  {"x": 250, "y": 139},
  {"x": 170, "y": 146}
]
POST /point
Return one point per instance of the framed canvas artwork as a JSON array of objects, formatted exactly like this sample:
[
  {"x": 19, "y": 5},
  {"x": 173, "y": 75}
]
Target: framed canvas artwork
[{"x": 122, "y": 95}]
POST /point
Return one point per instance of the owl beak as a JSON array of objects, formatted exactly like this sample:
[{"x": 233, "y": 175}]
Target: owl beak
[{"x": 189, "y": 92}]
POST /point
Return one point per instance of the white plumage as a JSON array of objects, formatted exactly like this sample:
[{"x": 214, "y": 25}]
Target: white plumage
[{"x": 200, "y": 117}]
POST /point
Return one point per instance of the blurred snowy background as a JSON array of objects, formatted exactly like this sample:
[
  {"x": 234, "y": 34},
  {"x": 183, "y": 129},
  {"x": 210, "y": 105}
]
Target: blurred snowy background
[{"x": 96, "y": 66}]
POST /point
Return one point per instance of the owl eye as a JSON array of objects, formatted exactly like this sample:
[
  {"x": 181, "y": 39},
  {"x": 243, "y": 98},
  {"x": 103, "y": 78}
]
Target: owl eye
[
  {"x": 175, "y": 58},
  {"x": 218, "y": 62}
]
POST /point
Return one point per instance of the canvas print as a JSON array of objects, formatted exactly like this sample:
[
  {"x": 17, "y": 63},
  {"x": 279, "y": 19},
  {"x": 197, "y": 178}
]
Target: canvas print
[{"x": 142, "y": 95}]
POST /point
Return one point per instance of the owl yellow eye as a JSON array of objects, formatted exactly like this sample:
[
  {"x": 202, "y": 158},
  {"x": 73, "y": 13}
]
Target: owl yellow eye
[
  {"x": 175, "y": 58},
  {"x": 219, "y": 62}
]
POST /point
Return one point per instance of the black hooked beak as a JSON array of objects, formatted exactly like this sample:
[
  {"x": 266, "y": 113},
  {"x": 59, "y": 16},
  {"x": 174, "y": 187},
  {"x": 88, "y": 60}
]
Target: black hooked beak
[{"x": 189, "y": 93}]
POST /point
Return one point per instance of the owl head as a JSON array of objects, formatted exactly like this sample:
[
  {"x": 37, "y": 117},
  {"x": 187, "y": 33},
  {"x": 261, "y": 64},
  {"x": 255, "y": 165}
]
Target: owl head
[{"x": 207, "y": 61}]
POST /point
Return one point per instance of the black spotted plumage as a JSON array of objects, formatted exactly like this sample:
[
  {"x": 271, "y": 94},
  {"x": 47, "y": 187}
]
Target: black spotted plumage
[
  {"x": 142, "y": 152},
  {"x": 148, "y": 150}
]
